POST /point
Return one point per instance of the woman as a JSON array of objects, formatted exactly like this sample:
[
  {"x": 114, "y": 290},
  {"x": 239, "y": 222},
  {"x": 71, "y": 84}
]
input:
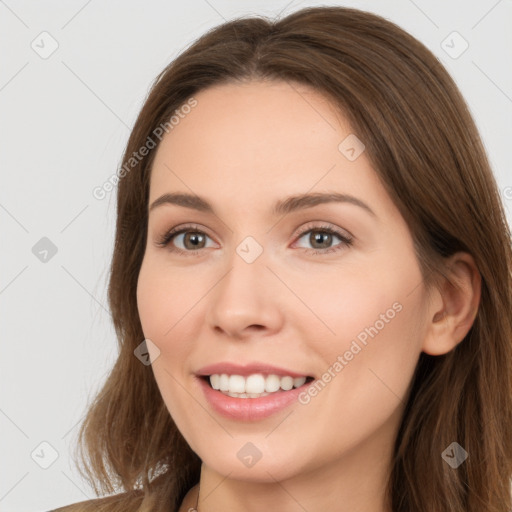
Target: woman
[{"x": 311, "y": 283}]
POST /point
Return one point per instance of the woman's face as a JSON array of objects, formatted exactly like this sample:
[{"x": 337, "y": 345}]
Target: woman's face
[{"x": 253, "y": 285}]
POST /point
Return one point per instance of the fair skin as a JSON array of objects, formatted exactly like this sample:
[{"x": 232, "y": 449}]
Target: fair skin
[{"x": 242, "y": 148}]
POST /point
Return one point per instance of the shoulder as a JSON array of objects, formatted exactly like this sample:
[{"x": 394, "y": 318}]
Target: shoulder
[{"x": 124, "y": 502}]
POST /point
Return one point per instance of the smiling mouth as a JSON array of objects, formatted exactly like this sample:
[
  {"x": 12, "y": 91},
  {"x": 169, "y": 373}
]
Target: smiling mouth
[{"x": 255, "y": 385}]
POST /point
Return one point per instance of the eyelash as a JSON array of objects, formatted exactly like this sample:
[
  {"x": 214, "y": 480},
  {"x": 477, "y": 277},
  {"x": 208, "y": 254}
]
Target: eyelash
[{"x": 346, "y": 241}]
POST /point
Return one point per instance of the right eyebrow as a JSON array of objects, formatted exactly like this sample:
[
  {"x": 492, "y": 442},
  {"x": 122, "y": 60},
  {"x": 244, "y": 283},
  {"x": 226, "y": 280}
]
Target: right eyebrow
[{"x": 185, "y": 200}]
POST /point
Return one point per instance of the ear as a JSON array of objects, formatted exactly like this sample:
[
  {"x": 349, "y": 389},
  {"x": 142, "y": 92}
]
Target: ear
[{"x": 455, "y": 306}]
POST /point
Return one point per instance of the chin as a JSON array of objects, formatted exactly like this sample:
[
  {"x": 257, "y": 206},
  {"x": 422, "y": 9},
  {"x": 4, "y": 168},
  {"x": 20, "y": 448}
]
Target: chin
[{"x": 241, "y": 459}]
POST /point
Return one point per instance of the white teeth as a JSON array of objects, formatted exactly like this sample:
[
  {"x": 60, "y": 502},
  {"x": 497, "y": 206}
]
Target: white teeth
[
  {"x": 254, "y": 385},
  {"x": 246, "y": 395},
  {"x": 298, "y": 382},
  {"x": 215, "y": 381},
  {"x": 287, "y": 383},
  {"x": 272, "y": 383},
  {"x": 223, "y": 382},
  {"x": 236, "y": 384}
]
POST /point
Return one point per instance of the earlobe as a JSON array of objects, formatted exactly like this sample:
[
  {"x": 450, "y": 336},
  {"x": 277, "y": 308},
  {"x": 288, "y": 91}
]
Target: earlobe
[{"x": 451, "y": 317}]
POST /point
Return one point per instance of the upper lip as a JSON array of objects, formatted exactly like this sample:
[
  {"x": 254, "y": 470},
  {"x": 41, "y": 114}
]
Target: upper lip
[{"x": 248, "y": 369}]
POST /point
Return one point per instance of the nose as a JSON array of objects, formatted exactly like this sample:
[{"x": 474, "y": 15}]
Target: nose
[{"x": 245, "y": 302}]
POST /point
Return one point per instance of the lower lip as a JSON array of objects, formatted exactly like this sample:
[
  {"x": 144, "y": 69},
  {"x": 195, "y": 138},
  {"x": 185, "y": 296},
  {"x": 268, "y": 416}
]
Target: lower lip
[{"x": 250, "y": 409}]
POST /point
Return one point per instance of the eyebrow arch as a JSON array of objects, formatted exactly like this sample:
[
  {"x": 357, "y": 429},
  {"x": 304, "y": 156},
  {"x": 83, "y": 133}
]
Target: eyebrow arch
[{"x": 282, "y": 207}]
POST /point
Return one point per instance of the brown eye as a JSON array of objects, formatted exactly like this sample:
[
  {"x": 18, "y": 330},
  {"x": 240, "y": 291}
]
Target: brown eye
[
  {"x": 194, "y": 240},
  {"x": 188, "y": 239},
  {"x": 321, "y": 239}
]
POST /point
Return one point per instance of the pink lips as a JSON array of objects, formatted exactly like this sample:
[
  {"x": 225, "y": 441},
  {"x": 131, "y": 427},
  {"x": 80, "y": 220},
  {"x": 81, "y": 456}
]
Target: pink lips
[
  {"x": 244, "y": 370},
  {"x": 248, "y": 409}
]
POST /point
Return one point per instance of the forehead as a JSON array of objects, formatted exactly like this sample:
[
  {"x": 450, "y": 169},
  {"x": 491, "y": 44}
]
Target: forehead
[
  {"x": 244, "y": 142},
  {"x": 233, "y": 118}
]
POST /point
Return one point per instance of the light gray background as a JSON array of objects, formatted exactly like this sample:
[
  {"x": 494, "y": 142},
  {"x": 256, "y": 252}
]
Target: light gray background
[{"x": 65, "y": 120}]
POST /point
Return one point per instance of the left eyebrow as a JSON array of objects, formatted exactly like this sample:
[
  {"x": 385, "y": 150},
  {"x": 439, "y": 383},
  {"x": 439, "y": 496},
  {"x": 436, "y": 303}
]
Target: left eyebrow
[
  {"x": 299, "y": 202},
  {"x": 281, "y": 207}
]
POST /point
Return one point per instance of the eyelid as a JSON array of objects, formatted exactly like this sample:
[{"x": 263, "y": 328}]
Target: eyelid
[{"x": 320, "y": 225}]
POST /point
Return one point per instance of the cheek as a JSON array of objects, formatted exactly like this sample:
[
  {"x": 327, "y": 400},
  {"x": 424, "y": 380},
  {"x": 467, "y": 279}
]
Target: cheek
[
  {"x": 373, "y": 300},
  {"x": 363, "y": 390},
  {"x": 165, "y": 298},
  {"x": 163, "y": 301},
  {"x": 343, "y": 306},
  {"x": 372, "y": 361},
  {"x": 373, "y": 340}
]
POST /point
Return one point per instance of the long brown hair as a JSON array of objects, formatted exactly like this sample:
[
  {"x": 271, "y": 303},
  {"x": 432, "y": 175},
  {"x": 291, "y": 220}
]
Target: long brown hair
[{"x": 424, "y": 145}]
